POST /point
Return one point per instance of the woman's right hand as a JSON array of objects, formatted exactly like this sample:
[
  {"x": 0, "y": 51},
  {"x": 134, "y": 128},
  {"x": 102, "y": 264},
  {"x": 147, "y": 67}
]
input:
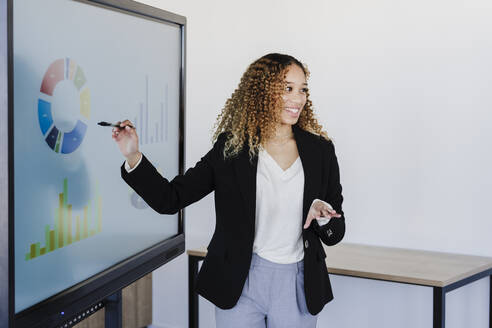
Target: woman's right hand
[{"x": 127, "y": 140}]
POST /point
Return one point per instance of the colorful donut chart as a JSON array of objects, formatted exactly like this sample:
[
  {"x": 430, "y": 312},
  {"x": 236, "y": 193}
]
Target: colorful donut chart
[{"x": 59, "y": 141}]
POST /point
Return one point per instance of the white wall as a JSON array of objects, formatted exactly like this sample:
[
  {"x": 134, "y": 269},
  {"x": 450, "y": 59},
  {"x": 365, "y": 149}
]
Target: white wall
[{"x": 405, "y": 90}]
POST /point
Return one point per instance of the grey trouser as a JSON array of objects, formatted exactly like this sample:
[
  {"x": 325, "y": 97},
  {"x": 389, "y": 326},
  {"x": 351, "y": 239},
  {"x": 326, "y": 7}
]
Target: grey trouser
[{"x": 272, "y": 296}]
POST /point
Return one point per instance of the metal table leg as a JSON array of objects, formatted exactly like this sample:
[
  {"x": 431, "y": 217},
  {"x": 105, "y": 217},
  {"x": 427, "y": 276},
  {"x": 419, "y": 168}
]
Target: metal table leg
[{"x": 439, "y": 307}]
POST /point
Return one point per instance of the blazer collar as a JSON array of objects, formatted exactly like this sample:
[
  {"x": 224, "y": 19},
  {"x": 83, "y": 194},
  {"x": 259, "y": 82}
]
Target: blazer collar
[{"x": 309, "y": 152}]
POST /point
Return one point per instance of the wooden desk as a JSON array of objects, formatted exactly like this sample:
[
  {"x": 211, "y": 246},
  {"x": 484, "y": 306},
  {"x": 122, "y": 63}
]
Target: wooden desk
[{"x": 443, "y": 272}]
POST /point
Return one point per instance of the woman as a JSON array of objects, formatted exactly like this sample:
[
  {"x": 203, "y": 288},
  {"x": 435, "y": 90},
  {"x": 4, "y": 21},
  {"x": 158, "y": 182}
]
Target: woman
[{"x": 277, "y": 193}]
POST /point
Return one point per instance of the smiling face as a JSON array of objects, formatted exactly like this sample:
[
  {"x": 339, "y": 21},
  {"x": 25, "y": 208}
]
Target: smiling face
[{"x": 294, "y": 96}]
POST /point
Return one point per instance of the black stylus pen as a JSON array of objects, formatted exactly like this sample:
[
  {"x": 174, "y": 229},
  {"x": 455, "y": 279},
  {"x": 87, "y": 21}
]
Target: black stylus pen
[{"x": 113, "y": 125}]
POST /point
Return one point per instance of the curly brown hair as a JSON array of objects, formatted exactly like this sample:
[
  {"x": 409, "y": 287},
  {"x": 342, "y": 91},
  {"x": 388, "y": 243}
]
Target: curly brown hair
[{"x": 254, "y": 108}]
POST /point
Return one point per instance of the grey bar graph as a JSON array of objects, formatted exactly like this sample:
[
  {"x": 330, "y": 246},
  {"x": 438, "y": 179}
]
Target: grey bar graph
[{"x": 141, "y": 121}]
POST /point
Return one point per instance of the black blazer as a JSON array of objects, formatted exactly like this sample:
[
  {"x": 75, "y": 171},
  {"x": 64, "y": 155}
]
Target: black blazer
[{"x": 226, "y": 266}]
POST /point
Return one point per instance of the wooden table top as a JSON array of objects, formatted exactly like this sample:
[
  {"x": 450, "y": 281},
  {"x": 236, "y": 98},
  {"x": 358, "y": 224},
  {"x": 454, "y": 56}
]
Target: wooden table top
[{"x": 418, "y": 267}]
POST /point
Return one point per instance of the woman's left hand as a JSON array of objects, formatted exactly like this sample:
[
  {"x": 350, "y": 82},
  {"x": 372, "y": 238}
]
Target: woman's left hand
[{"x": 320, "y": 210}]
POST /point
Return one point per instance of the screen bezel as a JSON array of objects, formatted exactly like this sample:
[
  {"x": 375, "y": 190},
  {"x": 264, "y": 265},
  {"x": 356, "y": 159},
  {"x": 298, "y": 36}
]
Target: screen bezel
[{"x": 71, "y": 301}]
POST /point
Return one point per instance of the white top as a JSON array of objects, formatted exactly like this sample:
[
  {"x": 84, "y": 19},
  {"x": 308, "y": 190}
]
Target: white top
[{"x": 279, "y": 197}]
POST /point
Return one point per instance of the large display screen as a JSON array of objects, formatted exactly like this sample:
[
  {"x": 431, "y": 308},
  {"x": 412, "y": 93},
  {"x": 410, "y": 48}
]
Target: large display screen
[{"x": 76, "y": 64}]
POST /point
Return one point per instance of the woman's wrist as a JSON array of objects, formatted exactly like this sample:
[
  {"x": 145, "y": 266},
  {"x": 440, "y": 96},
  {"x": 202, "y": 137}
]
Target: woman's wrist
[{"x": 132, "y": 160}]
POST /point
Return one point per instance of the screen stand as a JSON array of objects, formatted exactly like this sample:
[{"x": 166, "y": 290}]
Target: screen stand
[{"x": 114, "y": 311}]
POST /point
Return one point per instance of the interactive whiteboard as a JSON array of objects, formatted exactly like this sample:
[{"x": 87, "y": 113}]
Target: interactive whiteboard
[{"x": 75, "y": 64}]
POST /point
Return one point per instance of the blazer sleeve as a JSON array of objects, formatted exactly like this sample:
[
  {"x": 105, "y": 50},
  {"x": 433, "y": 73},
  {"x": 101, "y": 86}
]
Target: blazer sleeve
[
  {"x": 168, "y": 197},
  {"x": 332, "y": 232}
]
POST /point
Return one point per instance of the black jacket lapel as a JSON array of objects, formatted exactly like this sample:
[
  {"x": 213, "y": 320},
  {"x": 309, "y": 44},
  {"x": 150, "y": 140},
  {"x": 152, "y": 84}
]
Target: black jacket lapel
[
  {"x": 310, "y": 153},
  {"x": 246, "y": 178}
]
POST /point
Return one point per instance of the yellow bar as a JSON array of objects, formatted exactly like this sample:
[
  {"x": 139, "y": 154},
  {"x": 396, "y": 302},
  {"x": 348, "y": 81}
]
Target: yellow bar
[
  {"x": 99, "y": 214},
  {"x": 85, "y": 232},
  {"x": 93, "y": 232},
  {"x": 42, "y": 251},
  {"x": 77, "y": 228},
  {"x": 33, "y": 251},
  {"x": 52, "y": 240},
  {"x": 60, "y": 222},
  {"x": 69, "y": 228}
]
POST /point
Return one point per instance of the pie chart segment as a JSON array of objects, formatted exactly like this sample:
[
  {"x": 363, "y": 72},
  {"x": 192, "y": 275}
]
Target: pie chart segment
[
  {"x": 45, "y": 117},
  {"x": 53, "y": 75},
  {"x": 79, "y": 79},
  {"x": 53, "y": 138},
  {"x": 73, "y": 139},
  {"x": 85, "y": 103}
]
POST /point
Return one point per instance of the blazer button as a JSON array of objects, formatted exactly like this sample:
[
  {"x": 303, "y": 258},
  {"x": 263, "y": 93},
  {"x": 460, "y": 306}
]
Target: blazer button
[{"x": 306, "y": 244}]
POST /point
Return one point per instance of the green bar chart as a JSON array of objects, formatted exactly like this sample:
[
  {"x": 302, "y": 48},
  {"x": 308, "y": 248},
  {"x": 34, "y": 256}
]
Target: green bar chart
[{"x": 61, "y": 233}]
